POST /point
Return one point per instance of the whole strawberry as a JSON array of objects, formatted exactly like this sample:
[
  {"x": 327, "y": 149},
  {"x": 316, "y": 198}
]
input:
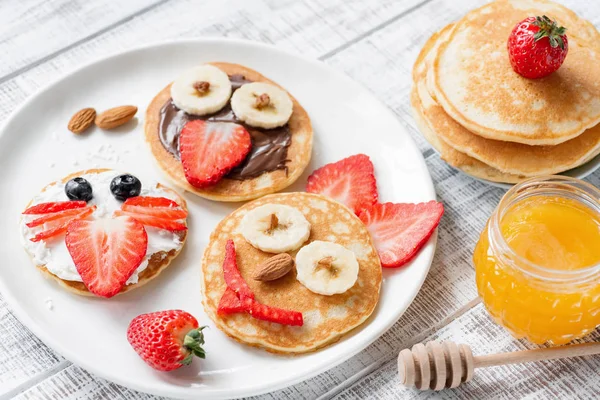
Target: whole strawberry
[
  {"x": 166, "y": 340},
  {"x": 537, "y": 47}
]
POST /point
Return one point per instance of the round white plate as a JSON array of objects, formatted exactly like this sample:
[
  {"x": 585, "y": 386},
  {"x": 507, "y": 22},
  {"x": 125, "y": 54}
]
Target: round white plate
[{"x": 36, "y": 148}]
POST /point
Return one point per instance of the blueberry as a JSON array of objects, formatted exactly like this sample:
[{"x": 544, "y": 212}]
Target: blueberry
[
  {"x": 125, "y": 186},
  {"x": 79, "y": 189}
]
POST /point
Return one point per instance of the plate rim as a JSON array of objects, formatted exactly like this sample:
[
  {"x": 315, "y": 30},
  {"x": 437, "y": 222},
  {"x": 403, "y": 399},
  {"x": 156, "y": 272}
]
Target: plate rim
[{"x": 428, "y": 251}]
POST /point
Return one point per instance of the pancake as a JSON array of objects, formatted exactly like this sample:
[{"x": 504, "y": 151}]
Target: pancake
[
  {"x": 456, "y": 159},
  {"x": 158, "y": 261},
  {"x": 298, "y": 154},
  {"x": 461, "y": 161},
  {"x": 474, "y": 82},
  {"x": 326, "y": 318},
  {"x": 508, "y": 157}
]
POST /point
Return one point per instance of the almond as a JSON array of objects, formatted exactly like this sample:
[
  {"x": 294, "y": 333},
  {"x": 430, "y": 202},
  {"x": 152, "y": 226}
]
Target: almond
[
  {"x": 274, "y": 268},
  {"x": 115, "y": 117},
  {"x": 82, "y": 120}
]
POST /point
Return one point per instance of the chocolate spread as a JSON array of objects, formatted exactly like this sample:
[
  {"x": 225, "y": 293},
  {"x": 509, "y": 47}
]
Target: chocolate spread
[{"x": 269, "y": 146}]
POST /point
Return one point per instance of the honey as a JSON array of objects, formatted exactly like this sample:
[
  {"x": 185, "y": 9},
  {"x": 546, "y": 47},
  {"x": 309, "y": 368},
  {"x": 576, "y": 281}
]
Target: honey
[{"x": 537, "y": 261}]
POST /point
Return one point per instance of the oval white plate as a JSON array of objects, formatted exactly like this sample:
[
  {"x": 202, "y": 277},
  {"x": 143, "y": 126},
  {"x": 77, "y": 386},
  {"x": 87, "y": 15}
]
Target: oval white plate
[{"x": 36, "y": 148}]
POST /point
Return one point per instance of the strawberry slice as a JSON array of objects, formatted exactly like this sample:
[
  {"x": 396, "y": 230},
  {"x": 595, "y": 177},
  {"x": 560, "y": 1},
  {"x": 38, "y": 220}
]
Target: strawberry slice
[
  {"x": 230, "y": 303},
  {"x": 238, "y": 296},
  {"x": 106, "y": 252},
  {"x": 60, "y": 225},
  {"x": 399, "y": 231},
  {"x": 147, "y": 201},
  {"x": 160, "y": 223},
  {"x": 209, "y": 150},
  {"x": 54, "y": 216},
  {"x": 350, "y": 181},
  {"x": 233, "y": 278},
  {"x": 272, "y": 314},
  {"x": 158, "y": 207},
  {"x": 52, "y": 207}
]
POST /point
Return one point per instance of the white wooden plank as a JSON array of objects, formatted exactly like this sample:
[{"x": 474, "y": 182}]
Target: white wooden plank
[
  {"x": 76, "y": 383},
  {"x": 566, "y": 379},
  {"x": 299, "y": 27},
  {"x": 34, "y": 29},
  {"x": 18, "y": 340}
]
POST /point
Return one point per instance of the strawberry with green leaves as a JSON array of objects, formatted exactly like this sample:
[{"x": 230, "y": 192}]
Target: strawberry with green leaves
[
  {"x": 166, "y": 340},
  {"x": 537, "y": 46}
]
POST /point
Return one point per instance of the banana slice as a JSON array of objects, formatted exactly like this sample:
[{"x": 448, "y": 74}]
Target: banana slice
[
  {"x": 326, "y": 268},
  {"x": 201, "y": 90},
  {"x": 262, "y": 105},
  {"x": 275, "y": 228}
]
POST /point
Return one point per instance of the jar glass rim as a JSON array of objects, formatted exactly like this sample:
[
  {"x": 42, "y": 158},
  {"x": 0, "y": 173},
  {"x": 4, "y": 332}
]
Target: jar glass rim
[{"x": 581, "y": 191}]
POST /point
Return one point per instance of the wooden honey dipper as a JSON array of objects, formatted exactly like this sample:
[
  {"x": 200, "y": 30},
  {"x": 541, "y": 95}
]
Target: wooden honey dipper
[{"x": 437, "y": 365}]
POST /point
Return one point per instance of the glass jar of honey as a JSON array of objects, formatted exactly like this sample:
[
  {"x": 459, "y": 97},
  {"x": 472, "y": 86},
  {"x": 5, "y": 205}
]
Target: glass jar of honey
[{"x": 537, "y": 261}]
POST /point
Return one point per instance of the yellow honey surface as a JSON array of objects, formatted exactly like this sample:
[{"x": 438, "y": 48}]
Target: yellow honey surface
[{"x": 556, "y": 233}]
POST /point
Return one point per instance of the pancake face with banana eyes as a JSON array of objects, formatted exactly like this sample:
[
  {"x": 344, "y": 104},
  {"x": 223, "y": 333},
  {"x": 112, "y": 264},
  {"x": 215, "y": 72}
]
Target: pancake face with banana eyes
[
  {"x": 339, "y": 252},
  {"x": 267, "y": 155}
]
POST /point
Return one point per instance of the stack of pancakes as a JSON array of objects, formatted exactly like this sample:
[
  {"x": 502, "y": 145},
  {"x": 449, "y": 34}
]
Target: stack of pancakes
[{"x": 488, "y": 121}]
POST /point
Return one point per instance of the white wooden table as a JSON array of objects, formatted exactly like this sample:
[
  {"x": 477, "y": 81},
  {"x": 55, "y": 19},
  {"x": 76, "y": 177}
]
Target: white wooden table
[{"x": 373, "y": 41}]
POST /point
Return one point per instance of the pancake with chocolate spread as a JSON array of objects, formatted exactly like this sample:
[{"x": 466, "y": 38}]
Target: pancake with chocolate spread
[{"x": 277, "y": 158}]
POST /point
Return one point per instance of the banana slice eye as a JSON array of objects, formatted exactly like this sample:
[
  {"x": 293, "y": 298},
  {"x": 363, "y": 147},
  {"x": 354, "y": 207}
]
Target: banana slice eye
[
  {"x": 275, "y": 228},
  {"x": 201, "y": 90},
  {"x": 326, "y": 268},
  {"x": 262, "y": 105}
]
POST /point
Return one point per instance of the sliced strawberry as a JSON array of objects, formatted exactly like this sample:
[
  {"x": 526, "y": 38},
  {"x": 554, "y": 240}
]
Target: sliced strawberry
[
  {"x": 60, "y": 225},
  {"x": 230, "y": 303},
  {"x": 238, "y": 296},
  {"x": 160, "y": 223},
  {"x": 272, "y": 314},
  {"x": 147, "y": 201},
  {"x": 154, "y": 206},
  {"x": 400, "y": 230},
  {"x": 350, "y": 181},
  {"x": 47, "y": 208},
  {"x": 233, "y": 278},
  {"x": 106, "y": 252},
  {"x": 209, "y": 150},
  {"x": 54, "y": 216}
]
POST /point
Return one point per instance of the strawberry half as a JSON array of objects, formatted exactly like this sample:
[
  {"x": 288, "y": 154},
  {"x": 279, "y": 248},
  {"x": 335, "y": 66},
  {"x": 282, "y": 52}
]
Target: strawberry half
[
  {"x": 106, "y": 252},
  {"x": 350, "y": 181},
  {"x": 209, "y": 150},
  {"x": 399, "y": 231},
  {"x": 166, "y": 340}
]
